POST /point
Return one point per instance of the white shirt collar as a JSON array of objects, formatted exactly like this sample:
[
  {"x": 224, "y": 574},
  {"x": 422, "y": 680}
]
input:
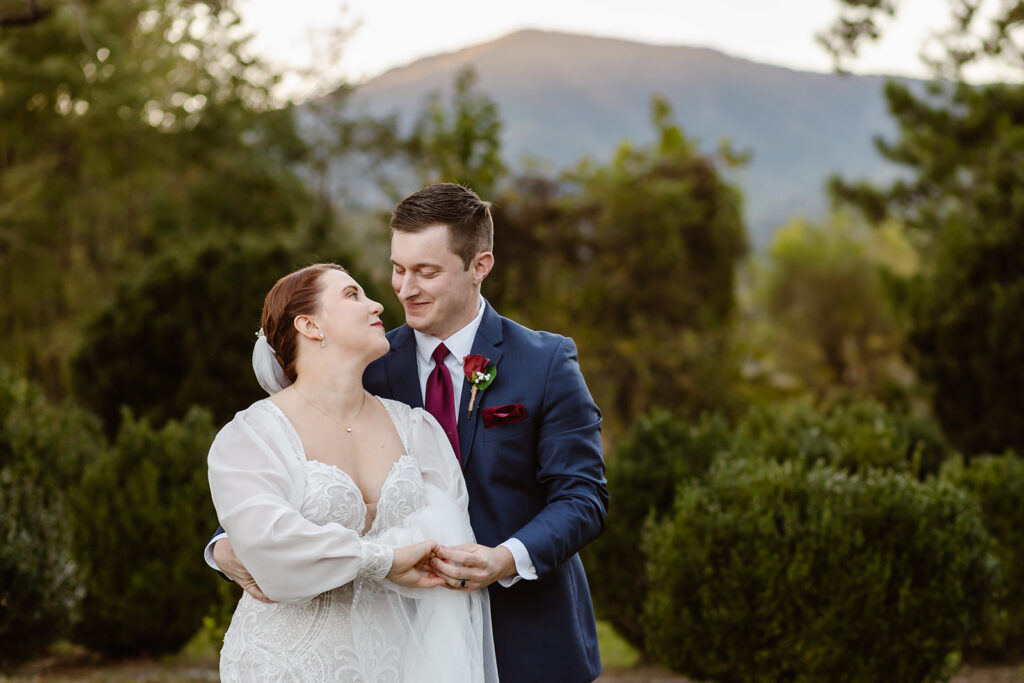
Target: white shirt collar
[{"x": 459, "y": 344}]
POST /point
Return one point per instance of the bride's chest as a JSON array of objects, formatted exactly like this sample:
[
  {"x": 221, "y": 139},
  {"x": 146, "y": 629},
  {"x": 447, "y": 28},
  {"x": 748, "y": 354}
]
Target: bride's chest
[{"x": 332, "y": 496}]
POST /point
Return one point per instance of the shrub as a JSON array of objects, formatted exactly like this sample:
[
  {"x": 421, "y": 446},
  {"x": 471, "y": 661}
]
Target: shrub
[
  {"x": 143, "y": 516},
  {"x": 997, "y": 483},
  {"x": 180, "y": 331},
  {"x": 662, "y": 450},
  {"x": 42, "y": 450},
  {"x": 852, "y": 436},
  {"x": 768, "y": 571}
]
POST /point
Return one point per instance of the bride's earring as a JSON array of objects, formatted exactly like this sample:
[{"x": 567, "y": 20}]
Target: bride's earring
[{"x": 323, "y": 341}]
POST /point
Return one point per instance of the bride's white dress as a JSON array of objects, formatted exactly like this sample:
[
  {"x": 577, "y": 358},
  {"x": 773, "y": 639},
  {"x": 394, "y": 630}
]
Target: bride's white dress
[{"x": 298, "y": 525}]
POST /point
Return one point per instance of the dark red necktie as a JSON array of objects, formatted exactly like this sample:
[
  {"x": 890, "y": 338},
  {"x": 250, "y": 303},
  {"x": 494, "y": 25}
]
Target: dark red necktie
[{"x": 440, "y": 398}]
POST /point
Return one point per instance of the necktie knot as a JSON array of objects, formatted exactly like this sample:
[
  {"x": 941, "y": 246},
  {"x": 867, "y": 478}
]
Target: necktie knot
[{"x": 440, "y": 353}]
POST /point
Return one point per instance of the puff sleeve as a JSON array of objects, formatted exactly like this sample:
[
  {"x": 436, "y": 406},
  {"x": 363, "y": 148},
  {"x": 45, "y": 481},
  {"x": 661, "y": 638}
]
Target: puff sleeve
[{"x": 257, "y": 482}]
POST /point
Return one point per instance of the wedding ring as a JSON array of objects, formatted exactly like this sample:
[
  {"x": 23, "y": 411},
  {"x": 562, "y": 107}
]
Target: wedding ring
[{"x": 462, "y": 584}]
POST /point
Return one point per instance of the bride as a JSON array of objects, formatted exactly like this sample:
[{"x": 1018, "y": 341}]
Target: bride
[{"x": 335, "y": 501}]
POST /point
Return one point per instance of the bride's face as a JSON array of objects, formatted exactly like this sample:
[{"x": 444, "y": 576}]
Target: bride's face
[{"x": 348, "y": 319}]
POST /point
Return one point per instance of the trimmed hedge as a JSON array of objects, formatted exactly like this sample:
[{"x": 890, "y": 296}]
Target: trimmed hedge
[
  {"x": 42, "y": 451},
  {"x": 851, "y": 436},
  {"x": 661, "y": 451},
  {"x": 772, "y": 572},
  {"x": 997, "y": 483},
  {"x": 144, "y": 514}
]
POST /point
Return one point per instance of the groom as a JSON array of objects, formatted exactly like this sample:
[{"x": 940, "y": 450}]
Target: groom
[{"x": 528, "y": 442}]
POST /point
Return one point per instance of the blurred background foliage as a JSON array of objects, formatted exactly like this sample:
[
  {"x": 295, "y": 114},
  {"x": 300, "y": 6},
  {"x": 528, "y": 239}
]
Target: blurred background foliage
[{"x": 812, "y": 449}]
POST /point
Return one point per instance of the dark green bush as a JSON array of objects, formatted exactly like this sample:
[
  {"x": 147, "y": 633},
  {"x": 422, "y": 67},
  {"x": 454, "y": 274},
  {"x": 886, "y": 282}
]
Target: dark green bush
[
  {"x": 180, "y": 331},
  {"x": 143, "y": 516},
  {"x": 770, "y": 571},
  {"x": 42, "y": 450},
  {"x": 661, "y": 451},
  {"x": 851, "y": 436},
  {"x": 997, "y": 483}
]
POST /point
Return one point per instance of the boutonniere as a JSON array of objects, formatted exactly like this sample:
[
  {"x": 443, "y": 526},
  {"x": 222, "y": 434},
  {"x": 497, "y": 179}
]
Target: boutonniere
[{"x": 480, "y": 372}]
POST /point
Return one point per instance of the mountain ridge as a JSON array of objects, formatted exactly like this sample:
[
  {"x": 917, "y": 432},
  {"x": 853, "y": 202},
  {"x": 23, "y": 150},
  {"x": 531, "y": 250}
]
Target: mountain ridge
[{"x": 564, "y": 96}]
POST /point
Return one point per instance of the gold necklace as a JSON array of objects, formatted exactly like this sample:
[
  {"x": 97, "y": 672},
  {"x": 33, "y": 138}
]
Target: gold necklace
[{"x": 348, "y": 427}]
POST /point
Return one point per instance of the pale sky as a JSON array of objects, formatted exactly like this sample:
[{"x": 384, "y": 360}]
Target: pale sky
[{"x": 390, "y": 33}]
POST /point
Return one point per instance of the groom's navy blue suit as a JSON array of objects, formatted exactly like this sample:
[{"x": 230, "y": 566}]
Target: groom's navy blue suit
[{"x": 540, "y": 480}]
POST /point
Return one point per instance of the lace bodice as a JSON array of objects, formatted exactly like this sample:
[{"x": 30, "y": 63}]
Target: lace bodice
[{"x": 358, "y": 628}]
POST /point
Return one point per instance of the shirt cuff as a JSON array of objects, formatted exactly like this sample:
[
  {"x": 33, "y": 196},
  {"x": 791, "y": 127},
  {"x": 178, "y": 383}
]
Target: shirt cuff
[
  {"x": 524, "y": 565},
  {"x": 208, "y": 553}
]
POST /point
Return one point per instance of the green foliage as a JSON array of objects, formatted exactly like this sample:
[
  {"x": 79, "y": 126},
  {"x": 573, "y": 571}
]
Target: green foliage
[
  {"x": 974, "y": 34},
  {"x": 127, "y": 128},
  {"x": 855, "y": 436},
  {"x": 42, "y": 451},
  {"x": 966, "y": 339},
  {"x": 823, "y": 304},
  {"x": 179, "y": 333},
  {"x": 962, "y": 145},
  {"x": 997, "y": 483},
  {"x": 769, "y": 572},
  {"x": 664, "y": 450},
  {"x": 636, "y": 260},
  {"x": 460, "y": 143},
  {"x": 142, "y": 510},
  {"x": 661, "y": 451}
]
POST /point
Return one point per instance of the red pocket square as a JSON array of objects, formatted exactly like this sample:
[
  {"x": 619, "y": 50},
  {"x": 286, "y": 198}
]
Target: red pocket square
[{"x": 504, "y": 415}]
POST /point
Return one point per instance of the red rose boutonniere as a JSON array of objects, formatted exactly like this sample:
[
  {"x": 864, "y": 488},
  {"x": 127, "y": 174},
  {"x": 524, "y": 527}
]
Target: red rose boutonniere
[{"x": 480, "y": 372}]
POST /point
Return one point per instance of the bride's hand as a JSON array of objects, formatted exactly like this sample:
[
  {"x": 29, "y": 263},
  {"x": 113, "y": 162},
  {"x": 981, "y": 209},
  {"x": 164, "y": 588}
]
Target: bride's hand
[{"x": 411, "y": 566}]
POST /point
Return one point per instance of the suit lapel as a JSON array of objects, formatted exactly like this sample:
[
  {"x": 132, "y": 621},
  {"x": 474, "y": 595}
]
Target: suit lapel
[
  {"x": 488, "y": 339},
  {"x": 403, "y": 377}
]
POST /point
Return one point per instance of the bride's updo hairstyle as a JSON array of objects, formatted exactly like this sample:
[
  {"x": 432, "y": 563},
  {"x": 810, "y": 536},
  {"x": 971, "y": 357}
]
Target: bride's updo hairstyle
[{"x": 293, "y": 295}]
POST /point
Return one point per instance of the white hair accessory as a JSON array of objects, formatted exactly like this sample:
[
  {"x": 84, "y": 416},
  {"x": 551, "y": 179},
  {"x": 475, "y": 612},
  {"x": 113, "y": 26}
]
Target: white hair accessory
[{"x": 269, "y": 372}]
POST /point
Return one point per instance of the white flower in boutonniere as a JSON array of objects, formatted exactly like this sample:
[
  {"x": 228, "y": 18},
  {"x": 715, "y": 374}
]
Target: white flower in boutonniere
[{"x": 480, "y": 372}]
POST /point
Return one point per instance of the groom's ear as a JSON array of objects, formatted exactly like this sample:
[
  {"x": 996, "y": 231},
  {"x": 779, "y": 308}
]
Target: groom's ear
[{"x": 481, "y": 266}]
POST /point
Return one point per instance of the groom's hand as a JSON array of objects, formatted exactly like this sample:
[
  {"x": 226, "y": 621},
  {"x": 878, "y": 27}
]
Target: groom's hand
[
  {"x": 478, "y": 565},
  {"x": 224, "y": 556}
]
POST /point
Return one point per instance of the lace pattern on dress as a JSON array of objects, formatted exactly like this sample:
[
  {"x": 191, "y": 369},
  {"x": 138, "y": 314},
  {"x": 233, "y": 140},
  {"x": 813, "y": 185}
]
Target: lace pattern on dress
[{"x": 346, "y": 634}]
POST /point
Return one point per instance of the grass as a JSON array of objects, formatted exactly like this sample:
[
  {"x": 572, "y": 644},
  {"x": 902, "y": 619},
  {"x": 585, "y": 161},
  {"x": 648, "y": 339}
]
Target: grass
[{"x": 616, "y": 653}]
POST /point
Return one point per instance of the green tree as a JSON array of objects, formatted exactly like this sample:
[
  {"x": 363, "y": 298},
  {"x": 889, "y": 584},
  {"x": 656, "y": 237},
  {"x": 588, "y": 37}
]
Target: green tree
[
  {"x": 961, "y": 146},
  {"x": 646, "y": 279},
  {"x": 459, "y": 142},
  {"x": 126, "y": 128},
  {"x": 179, "y": 332},
  {"x": 823, "y": 309}
]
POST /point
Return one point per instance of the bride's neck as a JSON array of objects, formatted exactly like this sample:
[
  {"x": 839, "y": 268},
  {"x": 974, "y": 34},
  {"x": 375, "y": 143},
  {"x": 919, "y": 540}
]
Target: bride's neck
[{"x": 333, "y": 386}]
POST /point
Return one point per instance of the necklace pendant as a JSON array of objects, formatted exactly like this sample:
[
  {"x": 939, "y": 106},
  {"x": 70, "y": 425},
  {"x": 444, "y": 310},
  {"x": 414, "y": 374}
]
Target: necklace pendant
[{"x": 348, "y": 429}]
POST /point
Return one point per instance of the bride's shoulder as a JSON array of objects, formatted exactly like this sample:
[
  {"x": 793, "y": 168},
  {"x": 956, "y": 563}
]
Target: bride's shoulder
[
  {"x": 262, "y": 419},
  {"x": 396, "y": 408}
]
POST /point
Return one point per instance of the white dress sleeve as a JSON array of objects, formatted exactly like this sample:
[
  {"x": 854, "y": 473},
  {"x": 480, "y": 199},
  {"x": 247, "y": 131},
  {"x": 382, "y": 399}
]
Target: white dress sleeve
[{"x": 257, "y": 483}]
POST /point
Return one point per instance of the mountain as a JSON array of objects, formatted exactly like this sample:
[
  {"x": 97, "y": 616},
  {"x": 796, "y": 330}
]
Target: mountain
[{"x": 563, "y": 96}]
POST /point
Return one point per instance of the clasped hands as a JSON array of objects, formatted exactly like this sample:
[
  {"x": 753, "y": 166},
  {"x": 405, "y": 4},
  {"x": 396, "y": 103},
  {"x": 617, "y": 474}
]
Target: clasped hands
[{"x": 469, "y": 566}]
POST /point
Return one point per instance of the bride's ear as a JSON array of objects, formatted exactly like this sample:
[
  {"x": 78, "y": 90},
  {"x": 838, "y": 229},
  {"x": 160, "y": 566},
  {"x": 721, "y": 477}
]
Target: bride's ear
[{"x": 308, "y": 328}]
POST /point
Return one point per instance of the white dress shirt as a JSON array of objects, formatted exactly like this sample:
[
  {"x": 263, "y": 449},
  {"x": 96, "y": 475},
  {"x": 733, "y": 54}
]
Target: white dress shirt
[{"x": 460, "y": 345}]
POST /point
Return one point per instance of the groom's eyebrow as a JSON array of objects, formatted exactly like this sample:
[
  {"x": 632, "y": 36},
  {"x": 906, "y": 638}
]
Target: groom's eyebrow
[{"x": 417, "y": 266}]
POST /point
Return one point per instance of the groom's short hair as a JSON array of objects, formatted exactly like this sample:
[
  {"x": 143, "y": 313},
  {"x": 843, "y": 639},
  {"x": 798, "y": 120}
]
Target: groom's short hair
[{"x": 468, "y": 218}]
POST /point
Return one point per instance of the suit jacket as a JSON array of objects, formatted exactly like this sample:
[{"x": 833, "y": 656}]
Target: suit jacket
[{"x": 540, "y": 480}]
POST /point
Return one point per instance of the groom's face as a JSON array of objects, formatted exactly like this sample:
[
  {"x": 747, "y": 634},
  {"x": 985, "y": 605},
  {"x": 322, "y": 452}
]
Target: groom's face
[{"x": 438, "y": 293}]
